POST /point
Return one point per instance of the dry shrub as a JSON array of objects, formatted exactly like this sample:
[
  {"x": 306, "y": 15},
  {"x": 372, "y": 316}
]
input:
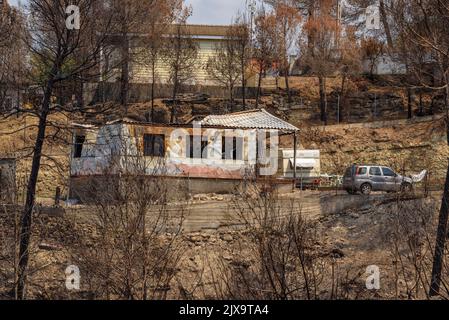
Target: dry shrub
[
  {"x": 134, "y": 253},
  {"x": 410, "y": 233},
  {"x": 280, "y": 261}
]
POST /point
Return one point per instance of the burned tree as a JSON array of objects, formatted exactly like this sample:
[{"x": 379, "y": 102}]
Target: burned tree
[
  {"x": 264, "y": 46},
  {"x": 240, "y": 32},
  {"x": 136, "y": 248},
  {"x": 224, "y": 67},
  {"x": 130, "y": 17},
  {"x": 372, "y": 50},
  {"x": 60, "y": 51},
  {"x": 162, "y": 15},
  {"x": 422, "y": 26},
  {"x": 320, "y": 48},
  {"x": 279, "y": 245},
  {"x": 287, "y": 24},
  {"x": 179, "y": 54},
  {"x": 12, "y": 51}
]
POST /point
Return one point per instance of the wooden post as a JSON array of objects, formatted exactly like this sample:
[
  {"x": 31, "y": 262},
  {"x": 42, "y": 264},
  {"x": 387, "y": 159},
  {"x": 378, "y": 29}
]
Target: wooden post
[
  {"x": 57, "y": 196},
  {"x": 295, "y": 139}
]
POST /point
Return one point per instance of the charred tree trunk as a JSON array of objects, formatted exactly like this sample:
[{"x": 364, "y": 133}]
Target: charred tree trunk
[
  {"x": 243, "y": 85},
  {"x": 153, "y": 72},
  {"x": 124, "y": 84},
  {"x": 440, "y": 241},
  {"x": 175, "y": 103},
  {"x": 231, "y": 96},
  {"x": 323, "y": 99},
  {"x": 442, "y": 220},
  {"x": 342, "y": 99},
  {"x": 409, "y": 104},
  {"x": 259, "y": 84},
  {"x": 384, "y": 18},
  {"x": 287, "y": 86},
  {"x": 27, "y": 214}
]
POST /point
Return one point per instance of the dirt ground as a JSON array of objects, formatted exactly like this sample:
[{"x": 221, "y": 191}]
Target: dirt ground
[
  {"x": 347, "y": 243},
  {"x": 396, "y": 236}
]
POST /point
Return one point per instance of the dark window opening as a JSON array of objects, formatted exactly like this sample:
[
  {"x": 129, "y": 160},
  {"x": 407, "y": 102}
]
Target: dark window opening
[
  {"x": 154, "y": 145},
  {"x": 232, "y": 148},
  {"x": 196, "y": 148},
  {"x": 79, "y": 142},
  {"x": 361, "y": 171}
]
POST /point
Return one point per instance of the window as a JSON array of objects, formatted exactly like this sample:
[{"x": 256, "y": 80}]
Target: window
[
  {"x": 193, "y": 145},
  {"x": 78, "y": 150},
  {"x": 388, "y": 172},
  {"x": 232, "y": 148},
  {"x": 375, "y": 171},
  {"x": 361, "y": 171},
  {"x": 154, "y": 145}
]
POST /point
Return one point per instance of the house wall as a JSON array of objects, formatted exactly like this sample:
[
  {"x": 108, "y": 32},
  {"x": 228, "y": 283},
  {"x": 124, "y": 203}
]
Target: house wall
[
  {"x": 140, "y": 70},
  {"x": 119, "y": 147},
  {"x": 385, "y": 65},
  {"x": 141, "y": 73},
  {"x": 116, "y": 150},
  {"x": 87, "y": 188}
]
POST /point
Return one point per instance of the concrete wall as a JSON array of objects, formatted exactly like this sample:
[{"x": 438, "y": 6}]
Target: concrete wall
[
  {"x": 89, "y": 189},
  {"x": 141, "y": 92},
  {"x": 385, "y": 66}
]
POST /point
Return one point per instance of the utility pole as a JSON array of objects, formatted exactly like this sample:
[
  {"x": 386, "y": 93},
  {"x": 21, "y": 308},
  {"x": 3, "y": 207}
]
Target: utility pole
[{"x": 338, "y": 109}]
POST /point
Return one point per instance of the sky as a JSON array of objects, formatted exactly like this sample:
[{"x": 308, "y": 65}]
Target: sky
[{"x": 205, "y": 11}]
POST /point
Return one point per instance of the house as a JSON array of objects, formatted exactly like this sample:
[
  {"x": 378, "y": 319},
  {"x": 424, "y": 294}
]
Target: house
[
  {"x": 213, "y": 155},
  {"x": 107, "y": 87},
  {"x": 385, "y": 65},
  {"x": 206, "y": 38}
]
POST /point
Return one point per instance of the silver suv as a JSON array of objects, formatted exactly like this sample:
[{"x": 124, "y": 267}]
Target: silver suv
[{"x": 367, "y": 178}]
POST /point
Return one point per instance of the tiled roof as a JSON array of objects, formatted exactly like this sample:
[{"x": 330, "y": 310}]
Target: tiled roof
[{"x": 253, "y": 119}]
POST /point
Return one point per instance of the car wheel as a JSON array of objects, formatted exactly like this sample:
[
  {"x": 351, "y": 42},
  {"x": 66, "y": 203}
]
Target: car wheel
[
  {"x": 366, "y": 189},
  {"x": 406, "y": 187}
]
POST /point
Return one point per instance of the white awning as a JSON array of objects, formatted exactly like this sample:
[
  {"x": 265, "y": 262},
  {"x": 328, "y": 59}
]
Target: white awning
[{"x": 303, "y": 163}]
